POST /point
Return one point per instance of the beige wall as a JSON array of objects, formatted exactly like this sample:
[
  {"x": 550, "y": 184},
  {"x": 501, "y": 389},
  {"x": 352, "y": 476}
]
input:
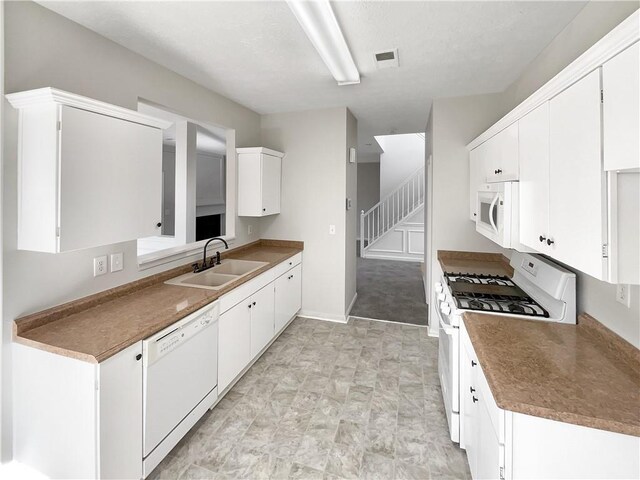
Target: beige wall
[
  {"x": 590, "y": 25},
  {"x": 313, "y": 197},
  {"x": 352, "y": 215},
  {"x": 44, "y": 49}
]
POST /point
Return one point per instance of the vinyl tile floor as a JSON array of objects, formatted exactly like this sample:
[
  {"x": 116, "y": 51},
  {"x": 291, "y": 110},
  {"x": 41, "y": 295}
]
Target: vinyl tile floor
[{"x": 328, "y": 401}]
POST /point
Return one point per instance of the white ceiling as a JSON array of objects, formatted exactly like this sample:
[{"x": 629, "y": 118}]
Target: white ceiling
[{"x": 258, "y": 55}]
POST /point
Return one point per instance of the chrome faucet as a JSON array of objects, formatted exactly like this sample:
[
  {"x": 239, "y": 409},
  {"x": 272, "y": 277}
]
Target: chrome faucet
[{"x": 204, "y": 266}]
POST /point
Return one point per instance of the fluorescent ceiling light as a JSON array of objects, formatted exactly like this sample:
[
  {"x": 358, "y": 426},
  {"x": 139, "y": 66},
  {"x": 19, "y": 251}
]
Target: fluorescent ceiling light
[{"x": 321, "y": 26}]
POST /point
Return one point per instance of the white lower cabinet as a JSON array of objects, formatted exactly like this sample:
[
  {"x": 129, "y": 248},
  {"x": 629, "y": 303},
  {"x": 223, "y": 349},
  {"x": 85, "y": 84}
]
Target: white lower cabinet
[
  {"x": 251, "y": 320},
  {"x": 75, "y": 419},
  {"x": 288, "y": 296},
  {"x": 262, "y": 318},
  {"x": 234, "y": 343},
  {"x": 506, "y": 445}
]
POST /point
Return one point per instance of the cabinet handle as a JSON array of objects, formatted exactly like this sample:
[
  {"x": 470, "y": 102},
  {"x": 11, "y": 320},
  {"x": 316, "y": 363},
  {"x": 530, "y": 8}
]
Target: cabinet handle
[
  {"x": 249, "y": 305},
  {"x": 474, "y": 399},
  {"x": 158, "y": 225},
  {"x": 495, "y": 172},
  {"x": 499, "y": 170},
  {"x": 290, "y": 263},
  {"x": 138, "y": 356},
  {"x": 549, "y": 241},
  {"x": 542, "y": 238},
  {"x": 473, "y": 364},
  {"x": 471, "y": 389},
  {"x": 254, "y": 304},
  {"x": 264, "y": 209}
]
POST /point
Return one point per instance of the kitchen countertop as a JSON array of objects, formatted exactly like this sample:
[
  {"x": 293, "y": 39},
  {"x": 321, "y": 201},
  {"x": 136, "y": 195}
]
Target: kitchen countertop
[
  {"x": 94, "y": 328},
  {"x": 580, "y": 374},
  {"x": 474, "y": 262}
]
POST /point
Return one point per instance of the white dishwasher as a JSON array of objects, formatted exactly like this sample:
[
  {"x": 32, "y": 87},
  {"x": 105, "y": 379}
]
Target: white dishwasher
[{"x": 180, "y": 370}]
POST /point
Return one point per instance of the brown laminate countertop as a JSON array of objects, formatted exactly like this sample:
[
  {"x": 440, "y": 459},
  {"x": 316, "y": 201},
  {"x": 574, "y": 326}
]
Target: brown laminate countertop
[
  {"x": 96, "y": 327},
  {"x": 581, "y": 374},
  {"x": 474, "y": 262}
]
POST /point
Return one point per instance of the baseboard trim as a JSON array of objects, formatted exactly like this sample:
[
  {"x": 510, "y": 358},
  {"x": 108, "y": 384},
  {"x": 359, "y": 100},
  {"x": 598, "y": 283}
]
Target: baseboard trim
[
  {"x": 327, "y": 317},
  {"x": 353, "y": 302},
  {"x": 355, "y": 317},
  {"x": 381, "y": 256}
]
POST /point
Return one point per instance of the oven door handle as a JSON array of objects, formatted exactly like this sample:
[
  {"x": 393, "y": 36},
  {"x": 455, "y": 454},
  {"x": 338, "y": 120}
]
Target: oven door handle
[
  {"x": 494, "y": 204},
  {"x": 447, "y": 327}
]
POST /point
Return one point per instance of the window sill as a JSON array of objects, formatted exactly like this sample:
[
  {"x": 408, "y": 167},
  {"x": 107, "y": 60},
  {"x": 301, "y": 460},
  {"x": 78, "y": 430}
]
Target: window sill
[{"x": 169, "y": 255}]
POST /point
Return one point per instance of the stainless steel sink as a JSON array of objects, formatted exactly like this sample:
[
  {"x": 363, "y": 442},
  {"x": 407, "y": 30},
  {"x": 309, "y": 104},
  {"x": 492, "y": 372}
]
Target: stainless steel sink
[{"x": 217, "y": 277}]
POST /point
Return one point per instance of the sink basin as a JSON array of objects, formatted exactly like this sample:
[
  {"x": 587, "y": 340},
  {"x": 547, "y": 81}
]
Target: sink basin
[
  {"x": 217, "y": 277},
  {"x": 237, "y": 267}
]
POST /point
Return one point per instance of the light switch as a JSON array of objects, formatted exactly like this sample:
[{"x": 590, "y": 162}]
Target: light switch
[
  {"x": 622, "y": 295},
  {"x": 99, "y": 265},
  {"x": 116, "y": 262}
]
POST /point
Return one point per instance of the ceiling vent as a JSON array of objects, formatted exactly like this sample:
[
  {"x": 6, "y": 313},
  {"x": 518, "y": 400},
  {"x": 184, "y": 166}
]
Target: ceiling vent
[{"x": 386, "y": 58}]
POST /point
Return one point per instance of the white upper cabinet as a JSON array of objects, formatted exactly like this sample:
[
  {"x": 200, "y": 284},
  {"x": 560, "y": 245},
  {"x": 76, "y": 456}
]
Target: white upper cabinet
[
  {"x": 621, "y": 92},
  {"x": 259, "y": 181},
  {"x": 501, "y": 156},
  {"x": 89, "y": 173},
  {"x": 577, "y": 194},
  {"x": 534, "y": 178}
]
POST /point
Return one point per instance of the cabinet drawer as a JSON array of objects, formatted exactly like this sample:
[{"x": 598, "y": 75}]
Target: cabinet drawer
[
  {"x": 288, "y": 264},
  {"x": 245, "y": 290}
]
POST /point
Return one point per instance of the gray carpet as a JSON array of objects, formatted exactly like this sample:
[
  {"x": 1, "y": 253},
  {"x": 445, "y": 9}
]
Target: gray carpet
[{"x": 390, "y": 290}]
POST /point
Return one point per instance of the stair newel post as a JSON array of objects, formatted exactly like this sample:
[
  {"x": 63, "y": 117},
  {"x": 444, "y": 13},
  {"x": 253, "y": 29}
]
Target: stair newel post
[{"x": 362, "y": 233}]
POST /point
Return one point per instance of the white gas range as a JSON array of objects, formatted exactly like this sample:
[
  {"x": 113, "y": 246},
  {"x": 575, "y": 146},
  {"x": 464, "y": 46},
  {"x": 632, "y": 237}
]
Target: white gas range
[{"x": 538, "y": 290}]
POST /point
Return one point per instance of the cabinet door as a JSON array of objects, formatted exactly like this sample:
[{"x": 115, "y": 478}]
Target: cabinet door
[
  {"x": 487, "y": 462},
  {"x": 534, "y": 177},
  {"x": 110, "y": 180},
  {"x": 249, "y": 185},
  {"x": 234, "y": 343},
  {"x": 507, "y": 165},
  {"x": 288, "y": 296},
  {"x": 576, "y": 179},
  {"x": 621, "y": 123},
  {"x": 271, "y": 172},
  {"x": 120, "y": 421},
  {"x": 262, "y": 319},
  {"x": 501, "y": 164}
]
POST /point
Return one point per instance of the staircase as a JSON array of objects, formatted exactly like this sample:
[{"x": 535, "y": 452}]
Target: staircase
[{"x": 383, "y": 222}]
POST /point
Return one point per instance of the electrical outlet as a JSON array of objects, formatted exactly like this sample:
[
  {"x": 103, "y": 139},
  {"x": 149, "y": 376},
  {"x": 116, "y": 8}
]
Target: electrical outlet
[
  {"x": 622, "y": 295},
  {"x": 332, "y": 229},
  {"x": 99, "y": 265},
  {"x": 116, "y": 262},
  {"x": 250, "y": 229}
]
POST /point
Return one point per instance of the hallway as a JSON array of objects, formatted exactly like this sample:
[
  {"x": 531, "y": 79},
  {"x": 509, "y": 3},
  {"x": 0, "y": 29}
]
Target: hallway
[{"x": 390, "y": 290}]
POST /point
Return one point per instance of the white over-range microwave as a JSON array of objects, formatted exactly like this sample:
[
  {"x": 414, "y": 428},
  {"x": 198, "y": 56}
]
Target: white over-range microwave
[{"x": 498, "y": 214}]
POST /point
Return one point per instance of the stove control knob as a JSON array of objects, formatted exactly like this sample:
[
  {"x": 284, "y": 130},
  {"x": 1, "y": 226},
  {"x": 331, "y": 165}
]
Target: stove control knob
[
  {"x": 446, "y": 309},
  {"x": 438, "y": 287},
  {"x": 441, "y": 296}
]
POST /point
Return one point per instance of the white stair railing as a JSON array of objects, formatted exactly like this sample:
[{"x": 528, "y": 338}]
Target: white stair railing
[{"x": 391, "y": 210}]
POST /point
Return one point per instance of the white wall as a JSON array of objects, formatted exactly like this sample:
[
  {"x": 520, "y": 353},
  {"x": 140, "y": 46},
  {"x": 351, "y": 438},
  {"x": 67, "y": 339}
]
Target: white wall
[
  {"x": 352, "y": 215},
  {"x": 402, "y": 156},
  {"x": 455, "y": 122},
  {"x": 590, "y": 25},
  {"x": 44, "y": 49},
  {"x": 313, "y": 197},
  {"x": 368, "y": 188}
]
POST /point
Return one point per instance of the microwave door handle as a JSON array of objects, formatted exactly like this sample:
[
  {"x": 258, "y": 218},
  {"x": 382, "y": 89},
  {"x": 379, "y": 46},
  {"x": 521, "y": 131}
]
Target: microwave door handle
[{"x": 494, "y": 204}]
